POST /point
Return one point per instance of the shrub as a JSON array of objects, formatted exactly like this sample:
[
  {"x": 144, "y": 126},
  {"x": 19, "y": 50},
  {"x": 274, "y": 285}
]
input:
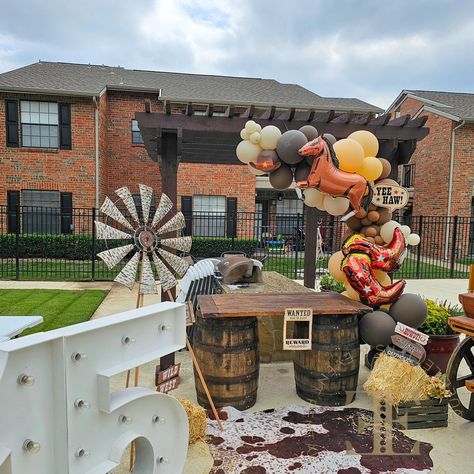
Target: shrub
[
  {"x": 437, "y": 320},
  {"x": 205, "y": 247},
  {"x": 330, "y": 283}
]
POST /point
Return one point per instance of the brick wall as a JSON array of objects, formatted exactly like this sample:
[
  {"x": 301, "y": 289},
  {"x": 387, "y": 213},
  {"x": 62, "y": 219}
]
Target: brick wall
[{"x": 52, "y": 169}]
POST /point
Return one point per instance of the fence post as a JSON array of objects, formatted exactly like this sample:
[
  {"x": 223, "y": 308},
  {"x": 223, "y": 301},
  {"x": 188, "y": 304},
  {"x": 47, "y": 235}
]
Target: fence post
[
  {"x": 234, "y": 228},
  {"x": 93, "y": 243},
  {"x": 418, "y": 254},
  {"x": 297, "y": 244},
  {"x": 17, "y": 243},
  {"x": 453, "y": 246}
]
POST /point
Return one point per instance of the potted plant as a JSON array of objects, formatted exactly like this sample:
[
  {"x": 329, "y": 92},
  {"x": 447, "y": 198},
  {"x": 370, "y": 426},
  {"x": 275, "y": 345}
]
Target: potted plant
[
  {"x": 328, "y": 283},
  {"x": 442, "y": 339}
]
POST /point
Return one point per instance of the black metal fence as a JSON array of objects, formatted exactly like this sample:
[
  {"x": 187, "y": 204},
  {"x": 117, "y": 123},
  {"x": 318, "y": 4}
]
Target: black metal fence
[{"x": 45, "y": 244}]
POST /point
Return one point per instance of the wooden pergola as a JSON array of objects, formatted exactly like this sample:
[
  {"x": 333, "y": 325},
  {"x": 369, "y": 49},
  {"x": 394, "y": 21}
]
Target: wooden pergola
[{"x": 172, "y": 138}]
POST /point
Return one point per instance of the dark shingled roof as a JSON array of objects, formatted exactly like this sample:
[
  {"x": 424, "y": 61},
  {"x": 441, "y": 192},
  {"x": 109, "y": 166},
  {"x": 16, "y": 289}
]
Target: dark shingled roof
[
  {"x": 459, "y": 104},
  {"x": 83, "y": 79}
]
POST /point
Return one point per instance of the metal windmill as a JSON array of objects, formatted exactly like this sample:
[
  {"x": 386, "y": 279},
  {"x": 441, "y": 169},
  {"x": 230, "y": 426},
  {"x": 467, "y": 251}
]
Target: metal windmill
[{"x": 145, "y": 236}]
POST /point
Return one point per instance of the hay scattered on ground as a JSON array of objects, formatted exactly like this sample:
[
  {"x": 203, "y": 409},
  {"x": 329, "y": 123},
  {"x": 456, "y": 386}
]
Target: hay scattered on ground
[
  {"x": 393, "y": 380},
  {"x": 197, "y": 420}
]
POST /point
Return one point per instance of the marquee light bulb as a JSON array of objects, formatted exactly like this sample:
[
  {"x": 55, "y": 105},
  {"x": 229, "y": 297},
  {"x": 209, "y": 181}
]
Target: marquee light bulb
[{"x": 31, "y": 446}]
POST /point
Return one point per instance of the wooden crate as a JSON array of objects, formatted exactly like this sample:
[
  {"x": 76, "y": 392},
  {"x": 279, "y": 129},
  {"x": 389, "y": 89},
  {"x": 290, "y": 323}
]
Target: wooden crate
[{"x": 423, "y": 414}]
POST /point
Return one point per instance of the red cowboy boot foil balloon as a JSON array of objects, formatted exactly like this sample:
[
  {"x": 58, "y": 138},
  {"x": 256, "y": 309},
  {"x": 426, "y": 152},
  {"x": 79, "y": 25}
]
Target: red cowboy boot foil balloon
[
  {"x": 326, "y": 176},
  {"x": 387, "y": 258},
  {"x": 358, "y": 269}
]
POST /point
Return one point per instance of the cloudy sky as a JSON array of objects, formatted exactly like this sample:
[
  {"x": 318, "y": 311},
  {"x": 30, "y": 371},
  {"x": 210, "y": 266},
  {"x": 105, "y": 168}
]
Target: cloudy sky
[{"x": 369, "y": 49}]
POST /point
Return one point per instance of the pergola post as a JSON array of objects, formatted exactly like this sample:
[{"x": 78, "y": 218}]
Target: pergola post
[{"x": 310, "y": 242}]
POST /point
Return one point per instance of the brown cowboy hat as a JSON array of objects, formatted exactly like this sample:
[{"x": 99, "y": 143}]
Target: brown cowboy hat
[{"x": 267, "y": 161}]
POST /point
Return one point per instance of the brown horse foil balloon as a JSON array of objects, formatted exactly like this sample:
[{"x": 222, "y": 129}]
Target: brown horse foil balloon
[{"x": 326, "y": 176}]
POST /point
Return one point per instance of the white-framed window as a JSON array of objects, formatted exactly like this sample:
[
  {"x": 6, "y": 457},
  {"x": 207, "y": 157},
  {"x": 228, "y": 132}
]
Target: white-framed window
[
  {"x": 39, "y": 124},
  {"x": 209, "y": 213},
  {"x": 41, "y": 211},
  {"x": 136, "y": 135}
]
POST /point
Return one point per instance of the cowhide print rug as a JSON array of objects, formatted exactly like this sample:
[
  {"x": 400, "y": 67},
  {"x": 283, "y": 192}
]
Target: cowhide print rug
[{"x": 299, "y": 439}]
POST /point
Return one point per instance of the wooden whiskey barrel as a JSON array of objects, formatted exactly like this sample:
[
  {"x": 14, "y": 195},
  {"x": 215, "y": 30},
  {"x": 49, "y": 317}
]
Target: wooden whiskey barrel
[
  {"x": 227, "y": 351},
  {"x": 328, "y": 374}
]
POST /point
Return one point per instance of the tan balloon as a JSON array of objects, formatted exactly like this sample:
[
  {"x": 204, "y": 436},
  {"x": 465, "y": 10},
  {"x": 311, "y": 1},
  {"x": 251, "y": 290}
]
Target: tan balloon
[
  {"x": 255, "y": 171},
  {"x": 313, "y": 197},
  {"x": 350, "y": 154},
  {"x": 387, "y": 230},
  {"x": 269, "y": 137},
  {"x": 367, "y": 140},
  {"x": 387, "y": 168},
  {"x": 351, "y": 293},
  {"x": 334, "y": 266},
  {"x": 247, "y": 151},
  {"x": 336, "y": 206},
  {"x": 371, "y": 168},
  {"x": 382, "y": 278}
]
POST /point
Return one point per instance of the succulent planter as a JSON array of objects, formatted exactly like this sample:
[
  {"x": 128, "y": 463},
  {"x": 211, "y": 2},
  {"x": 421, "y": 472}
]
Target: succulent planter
[
  {"x": 438, "y": 352},
  {"x": 432, "y": 413}
]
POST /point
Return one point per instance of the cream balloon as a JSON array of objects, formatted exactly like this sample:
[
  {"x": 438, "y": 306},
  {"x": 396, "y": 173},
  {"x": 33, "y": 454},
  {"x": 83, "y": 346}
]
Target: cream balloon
[
  {"x": 255, "y": 138},
  {"x": 387, "y": 230},
  {"x": 313, "y": 197},
  {"x": 367, "y": 140},
  {"x": 269, "y": 137},
  {"x": 255, "y": 171},
  {"x": 336, "y": 206},
  {"x": 244, "y": 135},
  {"x": 247, "y": 151},
  {"x": 350, "y": 154},
  {"x": 406, "y": 231},
  {"x": 334, "y": 266},
  {"x": 413, "y": 239},
  {"x": 252, "y": 126}
]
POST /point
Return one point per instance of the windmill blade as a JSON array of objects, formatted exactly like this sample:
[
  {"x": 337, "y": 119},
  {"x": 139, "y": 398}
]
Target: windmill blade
[
  {"x": 178, "y": 264},
  {"x": 178, "y": 243},
  {"x": 111, "y": 210},
  {"x": 129, "y": 272},
  {"x": 126, "y": 196},
  {"x": 164, "y": 207},
  {"x": 167, "y": 279},
  {"x": 113, "y": 256},
  {"x": 147, "y": 281},
  {"x": 146, "y": 194},
  {"x": 177, "y": 222},
  {"x": 105, "y": 232}
]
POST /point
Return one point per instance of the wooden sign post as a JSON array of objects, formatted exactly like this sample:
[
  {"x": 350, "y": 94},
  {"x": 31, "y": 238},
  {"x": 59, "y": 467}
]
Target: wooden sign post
[{"x": 298, "y": 315}]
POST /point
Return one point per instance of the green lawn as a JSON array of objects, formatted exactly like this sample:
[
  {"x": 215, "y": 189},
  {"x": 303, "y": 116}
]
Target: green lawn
[{"x": 59, "y": 308}]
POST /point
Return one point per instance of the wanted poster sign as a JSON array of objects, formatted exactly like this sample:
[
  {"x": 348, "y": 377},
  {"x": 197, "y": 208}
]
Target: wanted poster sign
[{"x": 301, "y": 321}]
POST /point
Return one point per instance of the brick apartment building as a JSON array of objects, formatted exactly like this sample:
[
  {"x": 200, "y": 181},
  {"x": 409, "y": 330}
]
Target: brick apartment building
[
  {"x": 441, "y": 171},
  {"x": 68, "y": 137}
]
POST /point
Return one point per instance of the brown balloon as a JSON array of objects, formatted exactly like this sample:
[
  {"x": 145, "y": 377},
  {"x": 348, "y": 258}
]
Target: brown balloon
[
  {"x": 281, "y": 178},
  {"x": 379, "y": 240},
  {"x": 366, "y": 221},
  {"x": 309, "y": 131},
  {"x": 384, "y": 216},
  {"x": 387, "y": 168},
  {"x": 372, "y": 207},
  {"x": 371, "y": 239},
  {"x": 373, "y": 216},
  {"x": 371, "y": 231},
  {"x": 388, "y": 182},
  {"x": 330, "y": 138},
  {"x": 354, "y": 224},
  {"x": 288, "y": 146},
  {"x": 361, "y": 213},
  {"x": 302, "y": 171}
]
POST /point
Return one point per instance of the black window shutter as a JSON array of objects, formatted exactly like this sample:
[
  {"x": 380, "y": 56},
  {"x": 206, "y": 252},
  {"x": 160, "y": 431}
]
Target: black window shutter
[
  {"x": 231, "y": 211},
  {"x": 11, "y": 107},
  {"x": 187, "y": 210},
  {"x": 66, "y": 213},
  {"x": 13, "y": 206},
  {"x": 65, "y": 142}
]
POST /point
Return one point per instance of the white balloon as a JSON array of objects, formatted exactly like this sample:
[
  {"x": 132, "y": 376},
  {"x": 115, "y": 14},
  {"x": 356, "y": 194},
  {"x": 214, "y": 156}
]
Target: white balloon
[
  {"x": 269, "y": 137},
  {"x": 387, "y": 230},
  {"x": 255, "y": 138},
  {"x": 255, "y": 171},
  {"x": 251, "y": 126},
  {"x": 314, "y": 198},
  {"x": 247, "y": 152},
  {"x": 413, "y": 239},
  {"x": 336, "y": 206},
  {"x": 244, "y": 135},
  {"x": 406, "y": 231}
]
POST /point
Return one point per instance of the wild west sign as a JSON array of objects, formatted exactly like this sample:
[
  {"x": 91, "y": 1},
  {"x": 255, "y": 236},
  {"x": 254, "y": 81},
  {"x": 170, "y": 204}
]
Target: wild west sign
[
  {"x": 389, "y": 196},
  {"x": 298, "y": 315}
]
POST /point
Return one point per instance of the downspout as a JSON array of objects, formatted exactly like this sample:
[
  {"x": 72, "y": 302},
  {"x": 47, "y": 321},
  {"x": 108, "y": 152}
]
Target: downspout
[
  {"x": 96, "y": 152},
  {"x": 450, "y": 187}
]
